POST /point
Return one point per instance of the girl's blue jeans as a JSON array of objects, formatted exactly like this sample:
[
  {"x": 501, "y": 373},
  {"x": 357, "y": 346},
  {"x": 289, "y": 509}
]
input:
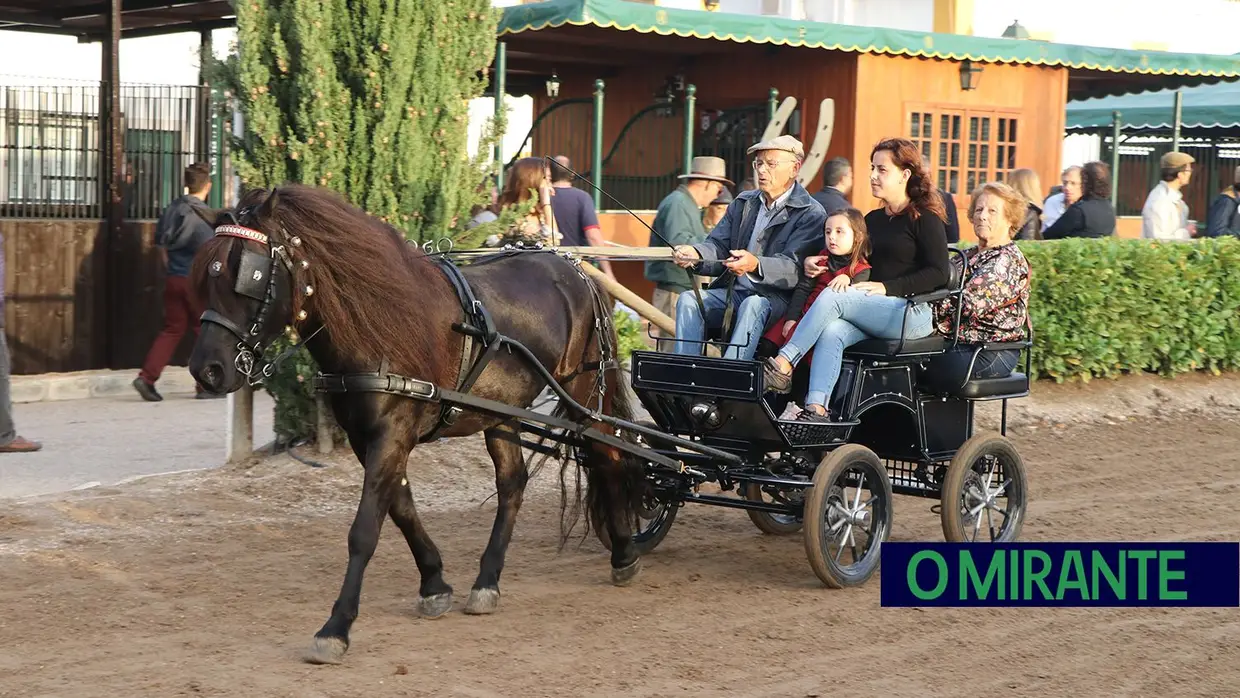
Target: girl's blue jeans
[{"x": 839, "y": 320}]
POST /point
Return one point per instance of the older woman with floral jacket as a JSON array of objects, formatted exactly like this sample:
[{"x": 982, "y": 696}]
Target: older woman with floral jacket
[{"x": 995, "y": 299}]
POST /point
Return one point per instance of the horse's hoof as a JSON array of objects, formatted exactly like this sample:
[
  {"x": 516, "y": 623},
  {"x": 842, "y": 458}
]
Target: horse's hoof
[
  {"x": 482, "y": 602},
  {"x": 434, "y": 606},
  {"x": 326, "y": 650},
  {"x": 624, "y": 576}
]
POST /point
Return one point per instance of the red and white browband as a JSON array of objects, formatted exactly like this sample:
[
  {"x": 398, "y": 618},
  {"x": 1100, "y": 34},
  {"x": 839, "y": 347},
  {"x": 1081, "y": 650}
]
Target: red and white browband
[{"x": 240, "y": 231}]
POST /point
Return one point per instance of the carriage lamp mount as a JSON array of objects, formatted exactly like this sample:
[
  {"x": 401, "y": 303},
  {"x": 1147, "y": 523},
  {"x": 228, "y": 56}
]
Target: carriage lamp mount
[
  {"x": 553, "y": 85},
  {"x": 970, "y": 75}
]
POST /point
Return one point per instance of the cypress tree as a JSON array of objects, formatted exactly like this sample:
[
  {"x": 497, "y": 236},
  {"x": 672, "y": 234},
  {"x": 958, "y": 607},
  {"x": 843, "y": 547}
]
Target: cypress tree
[{"x": 369, "y": 98}]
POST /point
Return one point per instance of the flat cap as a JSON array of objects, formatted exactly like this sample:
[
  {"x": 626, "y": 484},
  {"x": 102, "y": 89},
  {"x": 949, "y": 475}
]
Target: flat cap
[
  {"x": 1176, "y": 159},
  {"x": 785, "y": 143}
]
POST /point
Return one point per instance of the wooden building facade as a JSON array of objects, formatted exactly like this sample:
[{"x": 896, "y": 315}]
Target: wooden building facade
[{"x": 978, "y": 107}]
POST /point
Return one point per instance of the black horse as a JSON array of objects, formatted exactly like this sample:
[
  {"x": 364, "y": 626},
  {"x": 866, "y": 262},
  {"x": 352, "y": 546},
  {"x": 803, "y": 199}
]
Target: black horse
[{"x": 370, "y": 302}]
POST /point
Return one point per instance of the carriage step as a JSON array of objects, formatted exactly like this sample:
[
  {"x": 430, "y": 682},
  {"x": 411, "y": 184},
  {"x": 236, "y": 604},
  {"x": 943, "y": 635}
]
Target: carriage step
[{"x": 815, "y": 434}]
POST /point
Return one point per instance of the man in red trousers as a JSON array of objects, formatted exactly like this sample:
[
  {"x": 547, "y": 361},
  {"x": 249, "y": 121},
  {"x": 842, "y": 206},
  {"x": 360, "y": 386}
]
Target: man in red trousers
[{"x": 182, "y": 228}]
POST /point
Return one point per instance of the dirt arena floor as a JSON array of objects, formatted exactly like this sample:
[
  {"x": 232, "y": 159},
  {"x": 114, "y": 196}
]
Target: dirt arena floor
[{"x": 212, "y": 583}]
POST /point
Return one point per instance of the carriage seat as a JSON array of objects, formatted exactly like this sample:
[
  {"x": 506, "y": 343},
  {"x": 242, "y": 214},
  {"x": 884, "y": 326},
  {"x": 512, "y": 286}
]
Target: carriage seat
[
  {"x": 934, "y": 344},
  {"x": 1015, "y": 384}
]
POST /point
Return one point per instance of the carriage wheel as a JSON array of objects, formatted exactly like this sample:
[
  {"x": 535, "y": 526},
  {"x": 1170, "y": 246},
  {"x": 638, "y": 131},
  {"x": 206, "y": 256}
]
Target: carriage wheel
[
  {"x": 773, "y": 524},
  {"x": 984, "y": 492},
  {"x": 847, "y": 516},
  {"x": 654, "y": 519}
]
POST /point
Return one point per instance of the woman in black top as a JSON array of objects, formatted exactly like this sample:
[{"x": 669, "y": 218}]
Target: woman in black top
[
  {"x": 909, "y": 256},
  {"x": 1092, "y": 216}
]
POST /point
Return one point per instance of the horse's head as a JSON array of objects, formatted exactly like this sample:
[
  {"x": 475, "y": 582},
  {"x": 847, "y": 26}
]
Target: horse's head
[{"x": 244, "y": 278}]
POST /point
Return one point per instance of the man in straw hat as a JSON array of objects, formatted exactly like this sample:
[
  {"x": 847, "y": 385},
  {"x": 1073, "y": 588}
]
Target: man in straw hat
[
  {"x": 679, "y": 222},
  {"x": 759, "y": 246}
]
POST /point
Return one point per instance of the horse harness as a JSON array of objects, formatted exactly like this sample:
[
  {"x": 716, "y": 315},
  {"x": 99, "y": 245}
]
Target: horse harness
[
  {"x": 482, "y": 342},
  {"x": 478, "y": 348},
  {"x": 257, "y": 279}
]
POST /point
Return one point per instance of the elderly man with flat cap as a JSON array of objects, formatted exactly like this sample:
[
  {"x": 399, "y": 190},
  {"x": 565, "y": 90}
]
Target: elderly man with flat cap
[{"x": 759, "y": 247}]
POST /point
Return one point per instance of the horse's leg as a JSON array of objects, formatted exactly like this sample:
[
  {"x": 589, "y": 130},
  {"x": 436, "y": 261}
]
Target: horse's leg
[
  {"x": 504, "y": 445},
  {"x": 386, "y": 453},
  {"x": 612, "y": 485},
  {"x": 434, "y": 594}
]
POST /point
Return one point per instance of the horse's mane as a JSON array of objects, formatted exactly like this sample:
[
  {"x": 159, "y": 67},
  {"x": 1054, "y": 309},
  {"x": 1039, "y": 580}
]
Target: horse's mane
[{"x": 372, "y": 288}]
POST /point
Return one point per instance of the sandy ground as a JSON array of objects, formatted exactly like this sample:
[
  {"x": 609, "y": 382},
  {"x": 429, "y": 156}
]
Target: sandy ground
[{"x": 211, "y": 583}]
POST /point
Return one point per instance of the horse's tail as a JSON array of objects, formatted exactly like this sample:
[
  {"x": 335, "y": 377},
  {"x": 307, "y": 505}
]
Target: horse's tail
[{"x": 615, "y": 479}]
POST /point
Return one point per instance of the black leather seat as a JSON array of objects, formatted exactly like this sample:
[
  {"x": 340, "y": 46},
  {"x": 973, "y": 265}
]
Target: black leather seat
[
  {"x": 933, "y": 344},
  {"x": 1013, "y": 384}
]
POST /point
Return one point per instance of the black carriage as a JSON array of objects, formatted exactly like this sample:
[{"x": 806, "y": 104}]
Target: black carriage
[{"x": 902, "y": 430}]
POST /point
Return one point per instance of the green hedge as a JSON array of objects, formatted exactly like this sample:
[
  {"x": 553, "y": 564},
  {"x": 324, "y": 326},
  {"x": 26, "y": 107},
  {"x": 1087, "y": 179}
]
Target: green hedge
[{"x": 1104, "y": 307}]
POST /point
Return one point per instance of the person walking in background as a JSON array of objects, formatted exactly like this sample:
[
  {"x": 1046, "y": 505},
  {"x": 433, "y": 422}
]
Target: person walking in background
[
  {"x": 1223, "y": 217},
  {"x": 1025, "y": 181},
  {"x": 10, "y": 442},
  {"x": 679, "y": 221},
  {"x": 1165, "y": 215},
  {"x": 574, "y": 212},
  {"x": 837, "y": 182},
  {"x": 1058, "y": 202},
  {"x": 716, "y": 209},
  {"x": 1092, "y": 216},
  {"x": 183, "y": 227}
]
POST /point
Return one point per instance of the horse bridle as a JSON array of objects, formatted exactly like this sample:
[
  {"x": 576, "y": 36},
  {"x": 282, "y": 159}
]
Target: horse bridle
[{"x": 256, "y": 279}]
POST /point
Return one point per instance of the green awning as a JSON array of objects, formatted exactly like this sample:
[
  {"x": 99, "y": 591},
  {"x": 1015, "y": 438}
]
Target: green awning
[
  {"x": 721, "y": 26},
  {"x": 1204, "y": 106}
]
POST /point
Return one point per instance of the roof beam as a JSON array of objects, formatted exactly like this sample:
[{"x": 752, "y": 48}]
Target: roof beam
[
  {"x": 10, "y": 17},
  {"x": 127, "y": 7},
  {"x": 174, "y": 27}
]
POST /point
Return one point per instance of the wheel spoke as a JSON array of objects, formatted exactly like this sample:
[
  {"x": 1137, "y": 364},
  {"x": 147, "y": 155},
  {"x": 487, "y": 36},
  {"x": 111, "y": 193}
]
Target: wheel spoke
[
  {"x": 840, "y": 551},
  {"x": 977, "y": 526},
  {"x": 857, "y": 496},
  {"x": 990, "y": 524}
]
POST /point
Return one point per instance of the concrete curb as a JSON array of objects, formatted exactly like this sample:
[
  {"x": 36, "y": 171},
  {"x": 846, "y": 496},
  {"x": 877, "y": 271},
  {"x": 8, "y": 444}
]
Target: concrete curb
[{"x": 82, "y": 385}]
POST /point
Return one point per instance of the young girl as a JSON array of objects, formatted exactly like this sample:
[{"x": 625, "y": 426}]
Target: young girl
[{"x": 840, "y": 264}]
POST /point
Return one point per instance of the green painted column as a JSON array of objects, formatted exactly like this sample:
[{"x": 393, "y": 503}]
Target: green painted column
[
  {"x": 690, "y": 100},
  {"x": 500, "y": 81},
  {"x": 596, "y": 169},
  {"x": 772, "y": 105},
  {"x": 1115, "y": 128},
  {"x": 1176, "y": 119}
]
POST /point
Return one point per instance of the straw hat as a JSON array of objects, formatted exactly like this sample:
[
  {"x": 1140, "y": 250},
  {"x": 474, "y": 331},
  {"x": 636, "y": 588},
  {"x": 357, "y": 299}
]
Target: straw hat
[{"x": 708, "y": 167}]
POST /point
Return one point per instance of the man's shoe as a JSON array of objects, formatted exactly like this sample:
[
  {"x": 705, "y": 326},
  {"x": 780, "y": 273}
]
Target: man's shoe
[
  {"x": 146, "y": 390},
  {"x": 20, "y": 445},
  {"x": 205, "y": 395}
]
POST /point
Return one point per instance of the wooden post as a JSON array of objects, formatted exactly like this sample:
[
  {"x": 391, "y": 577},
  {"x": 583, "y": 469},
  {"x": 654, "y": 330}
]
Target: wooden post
[
  {"x": 324, "y": 417},
  {"x": 638, "y": 304},
  {"x": 240, "y": 424}
]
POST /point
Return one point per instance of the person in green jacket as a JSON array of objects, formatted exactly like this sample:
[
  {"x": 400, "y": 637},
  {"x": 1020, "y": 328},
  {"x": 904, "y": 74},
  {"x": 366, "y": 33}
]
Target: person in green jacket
[{"x": 679, "y": 221}]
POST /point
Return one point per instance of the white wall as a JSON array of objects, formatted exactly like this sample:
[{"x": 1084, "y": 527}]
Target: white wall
[{"x": 1189, "y": 26}]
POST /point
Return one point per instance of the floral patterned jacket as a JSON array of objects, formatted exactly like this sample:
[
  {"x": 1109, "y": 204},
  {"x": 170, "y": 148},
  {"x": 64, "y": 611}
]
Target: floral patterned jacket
[{"x": 995, "y": 298}]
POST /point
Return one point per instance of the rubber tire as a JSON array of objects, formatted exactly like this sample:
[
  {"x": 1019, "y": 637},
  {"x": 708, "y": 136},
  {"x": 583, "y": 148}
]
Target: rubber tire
[
  {"x": 763, "y": 520},
  {"x": 827, "y": 473},
  {"x": 977, "y": 446},
  {"x": 651, "y": 539}
]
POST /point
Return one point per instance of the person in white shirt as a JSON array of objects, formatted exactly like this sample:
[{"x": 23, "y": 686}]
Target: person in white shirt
[
  {"x": 1056, "y": 204},
  {"x": 1165, "y": 215}
]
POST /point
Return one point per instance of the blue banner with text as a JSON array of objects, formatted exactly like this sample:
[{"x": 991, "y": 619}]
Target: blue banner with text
[{"x": 1061, "y": 574}]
